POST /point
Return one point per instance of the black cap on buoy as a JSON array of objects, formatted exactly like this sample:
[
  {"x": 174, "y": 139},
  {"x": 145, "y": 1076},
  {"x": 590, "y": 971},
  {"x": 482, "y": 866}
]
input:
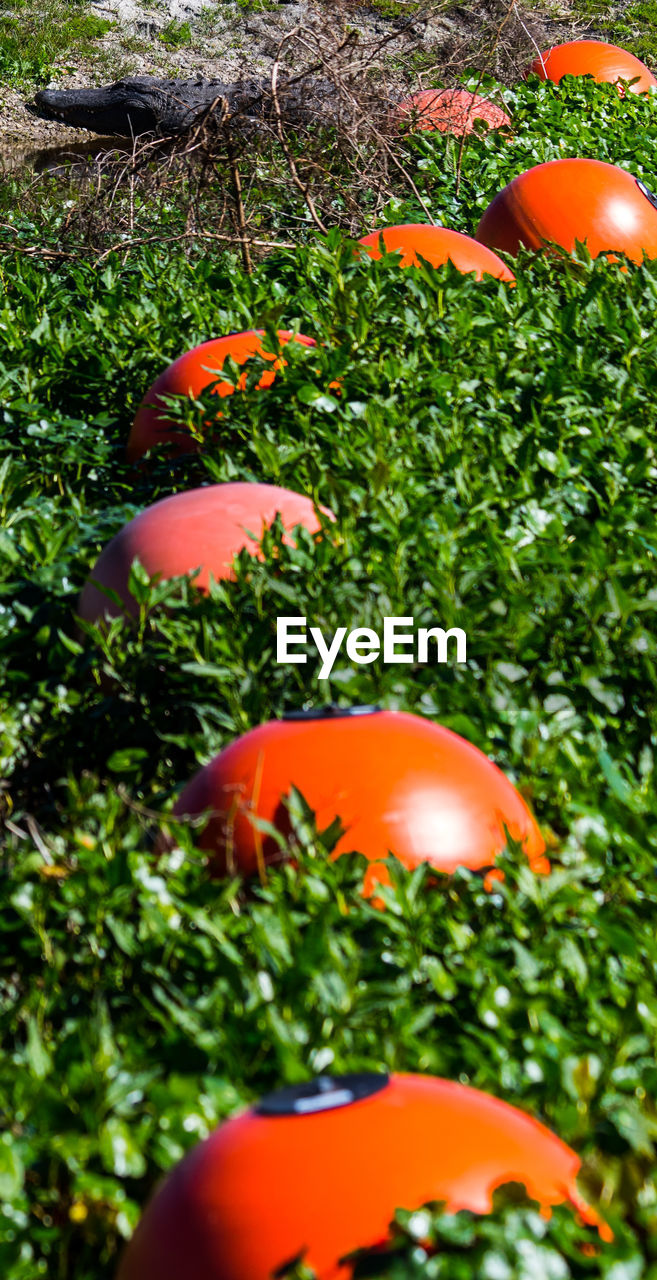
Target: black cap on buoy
[
  {"x": 325, "y": 1093},
  {"x": 650, "y": 195},
  {"x": 331, "y": 711}
]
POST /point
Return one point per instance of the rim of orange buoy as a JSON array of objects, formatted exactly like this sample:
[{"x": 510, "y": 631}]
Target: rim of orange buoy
[
  {"x": 452, "y": 110},
  {"x": 605, "y": 62},
  {"x": 437, "y": 245},
  {"x": 191, "y": 374}
]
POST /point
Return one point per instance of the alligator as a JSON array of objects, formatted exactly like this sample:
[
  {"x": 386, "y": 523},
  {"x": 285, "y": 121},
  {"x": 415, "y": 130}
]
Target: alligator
[{"x": 145, "y": 104}]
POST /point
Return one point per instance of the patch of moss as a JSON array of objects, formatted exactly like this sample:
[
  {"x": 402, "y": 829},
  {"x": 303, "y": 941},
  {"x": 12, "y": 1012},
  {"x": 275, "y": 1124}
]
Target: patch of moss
[
  {"x": 34, "y": 37},
  {"x": 635, "y": 29},
  {"x": 639, "y": 28},
  {"x": 257, "y": 6},
  {"x": 176, "y": 35},
  {"x": 390, "y": 8},
  {"x": 393, "y": 8}
]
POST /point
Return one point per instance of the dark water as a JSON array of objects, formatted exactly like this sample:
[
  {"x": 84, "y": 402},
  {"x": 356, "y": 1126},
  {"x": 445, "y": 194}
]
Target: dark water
[
  {"x": 74, "y": 158},
  {"x": 77, "y": 154}
]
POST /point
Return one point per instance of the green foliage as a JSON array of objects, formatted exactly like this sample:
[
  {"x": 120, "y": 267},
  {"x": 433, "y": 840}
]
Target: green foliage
[
  {"x": 257, "y": 6},
  {"x": 515, "y": 1242},
  {"x": 490, "y": 460},
  {"x": 176, "y": 34},
  {"x": 391, "y": 8},
  {"x": 34, "y": 36}
]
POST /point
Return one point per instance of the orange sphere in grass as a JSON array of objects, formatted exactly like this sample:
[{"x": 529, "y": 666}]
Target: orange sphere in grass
[
  {"x": 200, "y": 528},
  {"x": 189, "y": 375},
  {"x": 399, "y": 783},
  {"x": 564, "y": 201},
  {"x": 605, "y": 62},
  {"x": 438, "y": 245},
  {"x": 451, "y": 111},
  {"x": 318, "y": 1170}
]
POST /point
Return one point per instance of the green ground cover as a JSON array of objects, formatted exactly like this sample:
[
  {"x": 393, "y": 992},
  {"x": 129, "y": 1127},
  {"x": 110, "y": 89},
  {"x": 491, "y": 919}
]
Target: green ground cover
[
  {"x": 35, "y": 37},
  {"x": 491, "y": 463}
]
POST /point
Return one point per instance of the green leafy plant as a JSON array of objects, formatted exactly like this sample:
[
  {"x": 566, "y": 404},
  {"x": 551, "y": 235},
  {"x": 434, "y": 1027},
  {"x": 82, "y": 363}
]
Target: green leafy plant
[{"x": 176, "y": 34}]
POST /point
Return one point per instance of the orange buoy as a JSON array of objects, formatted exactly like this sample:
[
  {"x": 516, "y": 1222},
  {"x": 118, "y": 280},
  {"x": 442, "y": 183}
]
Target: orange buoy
[
  {"x": 450, "y": 111},
  {"x": 437, "y": 245},
  {"x": 605, "y": 62},
  {"x": 200, "y": 529},
  {"x": 189, "y": 375},
  {"x": 567, "y": 200},
  {"x": 318, "y": 1170},
  {"x": 399, "y": 784}
]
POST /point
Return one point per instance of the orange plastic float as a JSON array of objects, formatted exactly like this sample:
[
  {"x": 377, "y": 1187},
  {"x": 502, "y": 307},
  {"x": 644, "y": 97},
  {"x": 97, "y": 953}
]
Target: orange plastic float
[
  {"x": 438, "y": 245},
  {"x": 318, "y": 1170},
  {"x": 605, "y": 62},
  {"x": 398, "y": 782},
  {"x": 567, "y": 200},
  {"x": 450, "y": 111},
  {"x": 204, "y": 527},
  {"x": 189, "y": 375}
]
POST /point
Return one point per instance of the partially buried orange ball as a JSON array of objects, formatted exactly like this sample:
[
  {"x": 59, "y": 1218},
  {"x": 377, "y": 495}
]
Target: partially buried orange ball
[
  {"x": 564, "y": 201},
  {"x": 399, "y": 783},
  {"x": 200, "y": 529},
  {"x": 316, "y": 1171},
  {"x": 454, "y": 111},
  {"x": 437, "y": 245},
  {"x": 190, "y": 375},
  {"x": 605, "y": 62}
]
